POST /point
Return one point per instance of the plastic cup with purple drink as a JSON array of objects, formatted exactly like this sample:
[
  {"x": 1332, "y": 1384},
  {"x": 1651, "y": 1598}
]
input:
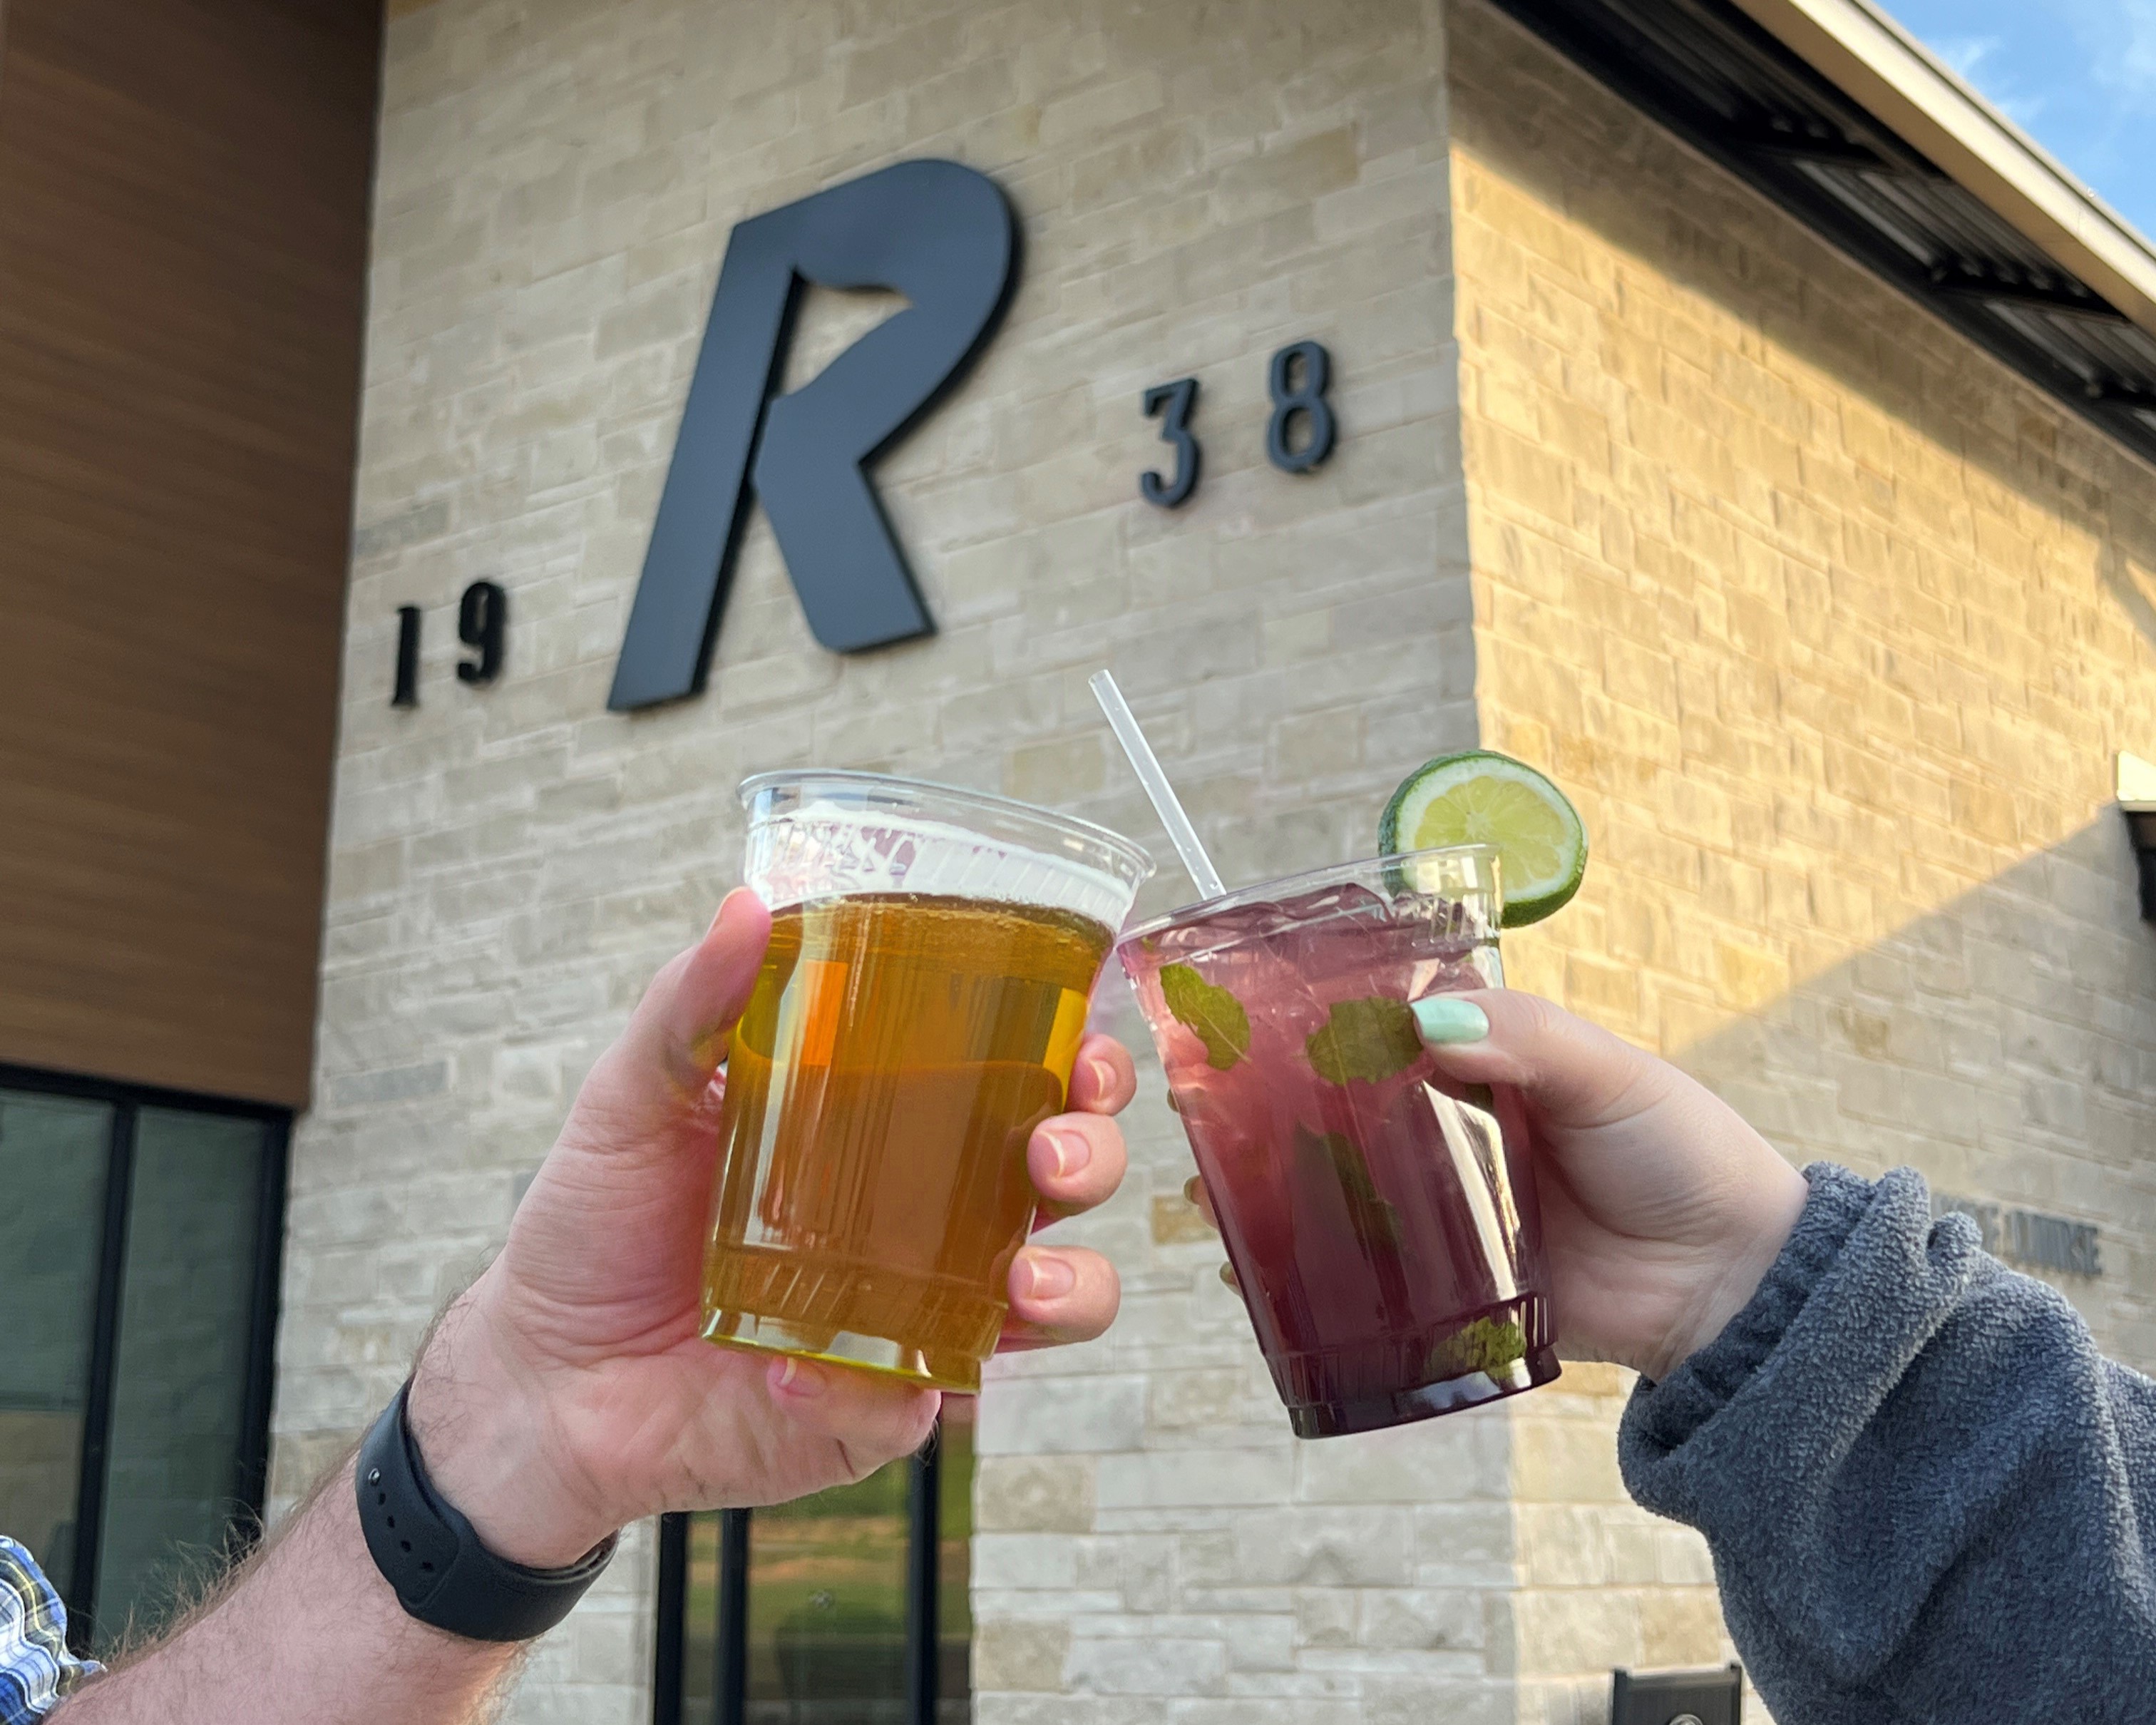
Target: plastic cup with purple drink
[{"x": 1380, "y": 1217}]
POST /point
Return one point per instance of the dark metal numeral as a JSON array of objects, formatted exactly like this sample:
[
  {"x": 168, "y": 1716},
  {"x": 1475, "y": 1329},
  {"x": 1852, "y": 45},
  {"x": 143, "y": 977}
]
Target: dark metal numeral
[
  {"x": 407, "y": 657},
  {"x": 937, "y": 232},
  {"x": 1177, "y": 398},
  {"x": 482, "y": 619},
  {"x": 1307, "y": 398}
]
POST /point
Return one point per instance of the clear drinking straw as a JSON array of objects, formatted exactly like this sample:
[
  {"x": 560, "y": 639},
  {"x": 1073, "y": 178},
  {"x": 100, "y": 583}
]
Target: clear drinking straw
[{"x": 1143, "y": 762}]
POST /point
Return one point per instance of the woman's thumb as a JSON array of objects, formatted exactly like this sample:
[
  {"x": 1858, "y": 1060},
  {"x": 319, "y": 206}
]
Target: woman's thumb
[{"x": 1573, "y": 1071}]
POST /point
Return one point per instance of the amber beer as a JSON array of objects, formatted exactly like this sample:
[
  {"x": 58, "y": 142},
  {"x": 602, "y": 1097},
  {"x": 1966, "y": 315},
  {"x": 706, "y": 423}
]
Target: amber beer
[{"x": 902, "y": 1042}]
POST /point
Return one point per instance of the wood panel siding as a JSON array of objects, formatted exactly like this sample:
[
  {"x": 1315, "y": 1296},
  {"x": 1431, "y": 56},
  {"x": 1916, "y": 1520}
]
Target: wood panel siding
[{"x": 184, "y": 230}]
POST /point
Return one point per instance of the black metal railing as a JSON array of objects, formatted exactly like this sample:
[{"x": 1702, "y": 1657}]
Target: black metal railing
[{"x": 849, "y": 1608}]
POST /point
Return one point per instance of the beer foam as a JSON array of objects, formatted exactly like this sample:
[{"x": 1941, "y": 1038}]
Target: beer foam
[{"x": 823, "y": 850}]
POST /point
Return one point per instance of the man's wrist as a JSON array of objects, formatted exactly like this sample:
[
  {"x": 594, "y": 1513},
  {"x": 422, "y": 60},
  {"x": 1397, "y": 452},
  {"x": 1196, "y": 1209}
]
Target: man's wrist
[{"x": 484, "y": 1429}]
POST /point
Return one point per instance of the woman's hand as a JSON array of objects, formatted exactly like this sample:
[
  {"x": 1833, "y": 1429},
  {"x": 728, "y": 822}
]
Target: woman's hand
[
  {"x": 569, "y": 1392},
  {"x": 1661, "y": 1209}
]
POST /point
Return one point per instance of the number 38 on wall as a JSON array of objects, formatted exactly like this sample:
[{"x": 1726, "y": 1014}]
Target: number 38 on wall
[{"x": 1298, "y": 437}]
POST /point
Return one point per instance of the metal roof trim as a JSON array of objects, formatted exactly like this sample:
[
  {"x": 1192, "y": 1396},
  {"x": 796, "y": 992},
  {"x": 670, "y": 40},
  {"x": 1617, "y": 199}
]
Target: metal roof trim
[{"x": 1887, "y": 71}]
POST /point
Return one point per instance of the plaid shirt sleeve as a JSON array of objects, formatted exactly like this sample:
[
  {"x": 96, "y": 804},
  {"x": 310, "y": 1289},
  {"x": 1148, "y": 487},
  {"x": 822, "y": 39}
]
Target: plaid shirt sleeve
[{"x": 37, "y": 1671}]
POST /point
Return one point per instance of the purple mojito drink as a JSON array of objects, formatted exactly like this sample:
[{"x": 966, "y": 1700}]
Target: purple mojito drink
[{"x": 1380, "y": 1217}]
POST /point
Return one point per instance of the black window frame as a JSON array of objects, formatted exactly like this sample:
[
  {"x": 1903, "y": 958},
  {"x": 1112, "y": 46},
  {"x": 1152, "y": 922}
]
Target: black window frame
[
  {"x": 251, "y": 1479},
  {"x": 729, "y": 1644}
]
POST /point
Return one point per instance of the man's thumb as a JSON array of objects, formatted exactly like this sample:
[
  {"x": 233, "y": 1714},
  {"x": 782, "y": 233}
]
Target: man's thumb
[{"x": 676, "y": 1037}]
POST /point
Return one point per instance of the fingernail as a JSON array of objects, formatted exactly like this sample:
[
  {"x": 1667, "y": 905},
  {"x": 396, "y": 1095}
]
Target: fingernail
[
  {"x": 1048, "y": 1278},
  {"x": 1102, "y": 1074},
  {"x": 798, "y": 1377},
  {"x": 725, "y": 904},
  {"x": 1443, "y": 1019},
  {"x": 1072, "y": 1152},
  {"x": 1190, "y": 1190}
]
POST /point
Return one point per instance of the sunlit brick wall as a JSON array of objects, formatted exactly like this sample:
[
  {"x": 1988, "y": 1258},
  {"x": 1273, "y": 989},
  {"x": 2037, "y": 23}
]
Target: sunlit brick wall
[{"x": 1832, "y": 627}]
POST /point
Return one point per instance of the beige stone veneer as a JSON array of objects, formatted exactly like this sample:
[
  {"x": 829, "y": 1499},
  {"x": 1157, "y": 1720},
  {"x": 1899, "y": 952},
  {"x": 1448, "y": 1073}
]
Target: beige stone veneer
[{"x": 1831, "y": 623}]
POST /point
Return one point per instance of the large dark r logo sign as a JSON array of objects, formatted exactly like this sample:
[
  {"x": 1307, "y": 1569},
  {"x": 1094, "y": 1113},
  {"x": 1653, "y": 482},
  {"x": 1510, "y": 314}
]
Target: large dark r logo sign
[{"x": 937, "y": 233}]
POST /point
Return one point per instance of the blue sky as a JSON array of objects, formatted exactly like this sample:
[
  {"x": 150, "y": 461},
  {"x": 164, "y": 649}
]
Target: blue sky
[{"x": 2079, "y": 76}]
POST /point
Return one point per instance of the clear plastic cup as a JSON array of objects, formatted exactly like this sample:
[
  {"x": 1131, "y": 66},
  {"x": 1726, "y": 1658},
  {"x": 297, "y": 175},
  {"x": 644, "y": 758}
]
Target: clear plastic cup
[
  {"x": 1380, "y": 1217},
  {"x": 932, "y": 954}
]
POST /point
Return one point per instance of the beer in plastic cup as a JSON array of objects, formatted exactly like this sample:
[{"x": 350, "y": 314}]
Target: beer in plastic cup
[{"x": 920, "y": 1007}]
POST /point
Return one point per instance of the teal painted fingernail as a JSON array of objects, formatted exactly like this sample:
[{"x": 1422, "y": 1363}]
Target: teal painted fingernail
[{"x": 1443, "y": 1019}]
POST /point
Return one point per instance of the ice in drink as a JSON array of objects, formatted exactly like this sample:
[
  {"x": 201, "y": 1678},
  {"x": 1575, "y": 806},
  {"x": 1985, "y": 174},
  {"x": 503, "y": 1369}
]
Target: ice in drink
[
  {"x": 917, "y": 1015},
  {"x": 1380, "y": 1217}
]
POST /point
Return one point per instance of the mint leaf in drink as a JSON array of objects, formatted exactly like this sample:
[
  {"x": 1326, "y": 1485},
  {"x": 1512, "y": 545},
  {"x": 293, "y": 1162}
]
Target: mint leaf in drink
[
  {"x": 1368, "y": 1040},
  {"x": 1332, "y": 1155},
  {"x": 1486, "y": 1345},
  {"x": 1215, "y": 1014}
]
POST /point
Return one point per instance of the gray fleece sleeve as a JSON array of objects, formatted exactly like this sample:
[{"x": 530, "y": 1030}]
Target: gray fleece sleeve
[{"x": 1927, "y": 1496}]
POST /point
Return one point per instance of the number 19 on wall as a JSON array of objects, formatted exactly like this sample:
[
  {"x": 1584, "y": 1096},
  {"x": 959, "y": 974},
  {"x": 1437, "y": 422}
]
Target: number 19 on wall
[{"x": 482, "y": 622}]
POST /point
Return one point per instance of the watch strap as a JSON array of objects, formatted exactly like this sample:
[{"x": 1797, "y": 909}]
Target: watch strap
[{"x": 431, "y": 1555}]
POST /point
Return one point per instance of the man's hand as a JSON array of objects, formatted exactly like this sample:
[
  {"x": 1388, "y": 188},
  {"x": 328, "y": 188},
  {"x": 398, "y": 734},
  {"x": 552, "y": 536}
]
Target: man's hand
[{"x": 569, "y": 1393}]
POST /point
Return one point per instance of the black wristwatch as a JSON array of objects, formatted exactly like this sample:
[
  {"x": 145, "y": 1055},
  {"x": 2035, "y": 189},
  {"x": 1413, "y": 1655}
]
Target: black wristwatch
[{"x": 429, "y": 1554}]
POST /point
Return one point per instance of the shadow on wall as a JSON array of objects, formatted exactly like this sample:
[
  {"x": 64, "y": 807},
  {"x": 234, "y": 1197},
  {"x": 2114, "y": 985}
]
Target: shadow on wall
[
  {"x": 2004, "y": 1045},
  {"x": 2131, "y": 584}
]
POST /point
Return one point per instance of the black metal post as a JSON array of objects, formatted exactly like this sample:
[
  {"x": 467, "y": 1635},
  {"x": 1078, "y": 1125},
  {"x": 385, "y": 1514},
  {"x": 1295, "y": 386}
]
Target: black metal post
[
  {"x": 252, "y": 1486},
  {"x": 730, "y": 1646},
  {"x": 104, "y": 1356},
  {"x": 923, "y": 1571},
  {"x": 669, "y": 1653}
]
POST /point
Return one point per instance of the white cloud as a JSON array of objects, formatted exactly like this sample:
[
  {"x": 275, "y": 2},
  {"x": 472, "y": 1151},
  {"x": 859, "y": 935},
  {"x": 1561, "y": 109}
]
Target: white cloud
[
  {"x": 2024, "y": 110},
  {"x": 2120, "y": 36},
  {"x": 2138, "y": 64},
  {"x": 2079, "y": 76},
  {"x": 1975, "y": 58},
  {"x": 1965, "y": 53}
]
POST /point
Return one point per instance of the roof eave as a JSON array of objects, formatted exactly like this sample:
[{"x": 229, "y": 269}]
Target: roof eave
[{"x": 1891, "y": 74}]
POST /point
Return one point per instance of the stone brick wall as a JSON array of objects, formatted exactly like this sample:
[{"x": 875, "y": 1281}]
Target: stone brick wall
[
  {"x": 1198, "y": 186},
  {"x": 1832, "y": 626}
]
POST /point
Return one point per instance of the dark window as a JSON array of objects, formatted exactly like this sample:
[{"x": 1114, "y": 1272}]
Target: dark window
[
  {"x": 139, "y": 1235},
  {"x": 848, "y": 1607},
  {"x": 54, "y": 1153}
]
